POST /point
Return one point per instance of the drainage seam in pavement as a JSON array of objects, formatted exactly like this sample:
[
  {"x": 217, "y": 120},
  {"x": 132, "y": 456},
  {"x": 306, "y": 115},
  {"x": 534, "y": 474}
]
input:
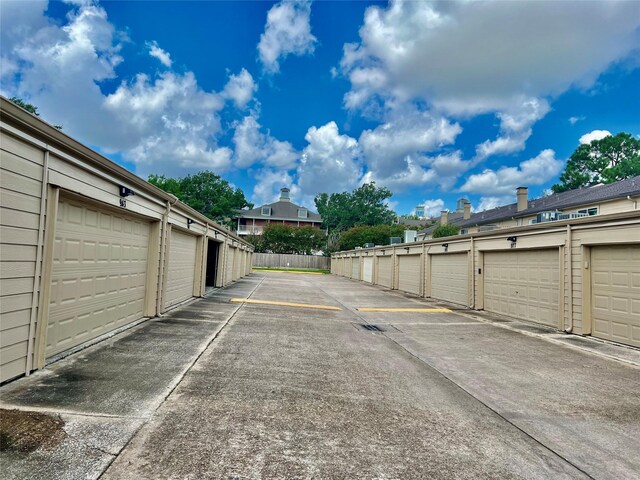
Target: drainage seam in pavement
[
  {"x": 464, "y": 390},
  {"x": 179, "y": 381}
]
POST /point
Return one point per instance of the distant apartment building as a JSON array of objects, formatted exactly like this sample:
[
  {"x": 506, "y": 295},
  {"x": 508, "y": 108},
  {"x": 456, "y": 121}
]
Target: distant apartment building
[
  {"x": 284, "y": 212},
  {"x": 582, "y": 202}
]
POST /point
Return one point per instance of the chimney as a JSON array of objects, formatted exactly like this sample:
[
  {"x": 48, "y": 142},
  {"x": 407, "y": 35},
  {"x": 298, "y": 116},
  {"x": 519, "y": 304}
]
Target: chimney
[
  {"x": 444, "y": 217},
  {"x": 284, "y": 195},
  {"x": 523, "y": 198},
  {"x": 467, "y": 211}
]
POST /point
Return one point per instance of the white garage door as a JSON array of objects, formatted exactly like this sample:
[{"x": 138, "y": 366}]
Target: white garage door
[
  {"x": 385, "y": 267},
  {"x": 615, "y": 293},
  {"x": 181, "y": 273},
  {"x": 355, "y": 268},
  {"x": 409, "y": 273},
  {"x": 98, "y": 276},
  {"x": 450, "y": 277},
  {"x": 523, "y": 284},
  {"x": 367, "y": 269},
  {"x": 231, "y": 253}
]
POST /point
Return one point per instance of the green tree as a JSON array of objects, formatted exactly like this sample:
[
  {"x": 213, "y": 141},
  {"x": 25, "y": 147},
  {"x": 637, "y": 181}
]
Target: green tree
[
  {"x": 607, "y": 160},
  {"x": 376, "y": 234},
  {"x": 32, "y": 109},
  {"x": 278, "y": 238},
  {"x": 364, "y": 206},
  {"x": 207, "y": 193},
  {"x": 446, "y": 230}
]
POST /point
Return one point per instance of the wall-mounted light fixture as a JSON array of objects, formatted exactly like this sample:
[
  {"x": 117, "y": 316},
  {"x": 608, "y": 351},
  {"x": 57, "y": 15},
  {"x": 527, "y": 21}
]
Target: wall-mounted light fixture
[
  {"x": 513, "y": 241},
  {"x": 445, "y": 246},
  {"x": 189, "y": 222},
  {"x": 407, "y": 249},
  {"x": 382, "y": 252},
  {"x": 125, "y": 191}
]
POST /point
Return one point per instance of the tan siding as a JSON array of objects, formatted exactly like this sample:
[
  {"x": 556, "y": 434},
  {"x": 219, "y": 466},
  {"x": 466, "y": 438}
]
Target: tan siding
[
  {"x": 12, "y": 303},
  {"x": 25, "y": 167},
  {"x": 18, "y": 236},
  {"x": 19, "y": 219},
  {"x": 20, "y": 202},
  {"x": 19, "y": 183},
  {"x": 19, "y": 148},
  {"x": 17, "y": 269},
  {"x": 17, "y": 253},
  {"x": 616, "y": 206},
  {"x": 15, "y": 319}
]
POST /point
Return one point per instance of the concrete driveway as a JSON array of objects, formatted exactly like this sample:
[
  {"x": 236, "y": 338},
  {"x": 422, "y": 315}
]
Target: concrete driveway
[{"x": 227, "y": 389}]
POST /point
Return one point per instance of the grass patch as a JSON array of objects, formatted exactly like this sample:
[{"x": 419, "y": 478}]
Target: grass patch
[{"x": 298, "y": 270}]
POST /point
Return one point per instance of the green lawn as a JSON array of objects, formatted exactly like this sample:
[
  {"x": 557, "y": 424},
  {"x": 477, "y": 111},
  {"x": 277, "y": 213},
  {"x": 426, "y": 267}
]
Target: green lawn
[{"x": 294, "y": 270}]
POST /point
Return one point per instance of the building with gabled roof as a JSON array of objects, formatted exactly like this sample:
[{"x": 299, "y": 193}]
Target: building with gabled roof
[
  {"x": 252, "y": 222},
  {"x": 588, "y": 201}
]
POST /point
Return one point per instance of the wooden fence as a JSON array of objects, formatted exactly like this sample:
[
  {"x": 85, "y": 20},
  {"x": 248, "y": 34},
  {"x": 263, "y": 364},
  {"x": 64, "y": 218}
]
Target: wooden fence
[{"x": 280, "y": 260}]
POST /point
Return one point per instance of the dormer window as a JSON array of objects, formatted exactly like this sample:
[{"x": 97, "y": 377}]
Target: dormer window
[
  {"x": 302, "y": 213},
  {"x": 266, "y": 211}
]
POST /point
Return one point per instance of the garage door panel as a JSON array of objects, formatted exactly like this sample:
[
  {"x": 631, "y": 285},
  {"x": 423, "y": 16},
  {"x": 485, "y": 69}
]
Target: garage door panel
[
  {"x": 385, "y": 265},
  {"x": 409, "y": 273},
  {"x": 367, "y": 269},
  {"x": 615, "y": 293},
  {"x": 523, "y": 284},
  {"x": 182, "y": 268},
  {"x": 229, "y": 266},
  {"x": 355, "y": 269},
  {"x": 98, "y": 275},
  {"x": 450, "y": 278}
]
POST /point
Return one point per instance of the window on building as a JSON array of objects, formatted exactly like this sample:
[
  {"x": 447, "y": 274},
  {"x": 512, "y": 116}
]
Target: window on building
[
  {"x": 302, "y": 213},
  {"x": 266, "y": 211},
  {"x": 589, "y": 211}
]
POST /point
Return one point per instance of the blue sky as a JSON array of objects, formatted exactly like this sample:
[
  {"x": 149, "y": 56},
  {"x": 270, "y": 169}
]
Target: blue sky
[{"x": 435, "y": 101}]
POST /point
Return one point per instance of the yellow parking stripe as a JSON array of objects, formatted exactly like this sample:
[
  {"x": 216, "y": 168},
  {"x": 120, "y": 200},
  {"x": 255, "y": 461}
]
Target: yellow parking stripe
[
  {"x": 283, "y": 304},
  {"x": 400, "y": 310}
]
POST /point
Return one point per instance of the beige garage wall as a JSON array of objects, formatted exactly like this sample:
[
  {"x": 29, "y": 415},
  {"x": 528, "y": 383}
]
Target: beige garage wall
[
  {"x": 571, "y": 242},
  {"x": 21, "y": 237},
  {"x": 38, "y": 164}
]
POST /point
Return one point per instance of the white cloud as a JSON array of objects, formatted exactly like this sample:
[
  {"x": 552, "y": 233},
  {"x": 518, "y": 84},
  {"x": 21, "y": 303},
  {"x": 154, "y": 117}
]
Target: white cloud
[
  {"x": 253, "y": 146},
  {"x": 488, "y": 203},
  {"x": 440, "y": 171},
  {"x": 515, "y": 127},
  {"x": 268, "y": 185},
  {"x": 330, "y": 162},
  {"x": 574, "y": 120},
  {"x": 287, "y": 31},
  {"x": 504, "y": 181},
  {"x": 473, "y": 57},
  {"x": 408, "y": 132},
  {"x": 587, "y": 138},
  {"x": 240, "y": 88},
  {"x": 164, "y": 124},
  {"x": 433, "y": 207},
  {"x": 156, "y": 52}
]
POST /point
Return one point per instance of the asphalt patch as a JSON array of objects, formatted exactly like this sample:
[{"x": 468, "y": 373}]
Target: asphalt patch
[{"x": 25, "y": 432}]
